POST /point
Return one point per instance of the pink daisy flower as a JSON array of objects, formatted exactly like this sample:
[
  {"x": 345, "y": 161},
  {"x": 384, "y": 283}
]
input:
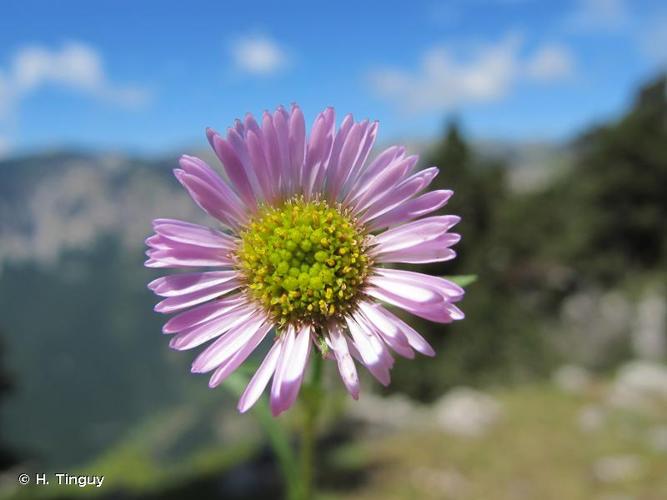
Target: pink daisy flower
[{"x": 307, "y": 232}]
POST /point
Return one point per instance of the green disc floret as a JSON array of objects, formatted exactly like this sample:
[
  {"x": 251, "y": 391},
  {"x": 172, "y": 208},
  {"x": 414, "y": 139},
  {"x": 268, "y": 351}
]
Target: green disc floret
[{"x": 303, "y": 261}]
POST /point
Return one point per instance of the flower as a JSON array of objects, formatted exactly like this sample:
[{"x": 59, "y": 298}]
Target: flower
[{"x": 307, "y": 227}]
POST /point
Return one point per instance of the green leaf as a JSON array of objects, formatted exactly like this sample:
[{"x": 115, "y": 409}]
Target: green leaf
[{"x": 463, "y": 279}]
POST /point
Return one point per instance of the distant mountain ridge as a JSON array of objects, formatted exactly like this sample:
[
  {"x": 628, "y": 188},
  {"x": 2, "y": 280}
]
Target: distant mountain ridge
[
  {"x": 58, "y": 201},
  {"x": 65, "y": 201}
]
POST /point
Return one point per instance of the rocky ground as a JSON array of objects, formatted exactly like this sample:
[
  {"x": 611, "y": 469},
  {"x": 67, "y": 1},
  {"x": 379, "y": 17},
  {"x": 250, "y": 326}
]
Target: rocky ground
[{"x": 579, "y": 437}]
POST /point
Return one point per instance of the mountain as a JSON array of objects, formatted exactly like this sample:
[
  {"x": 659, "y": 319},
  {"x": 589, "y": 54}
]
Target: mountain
[
  {"x": 531, "y": 165},
  {"x": 82, "y": 344},
  {"x": 83, "y": 347},
  {"x": 50, "y": 203}
]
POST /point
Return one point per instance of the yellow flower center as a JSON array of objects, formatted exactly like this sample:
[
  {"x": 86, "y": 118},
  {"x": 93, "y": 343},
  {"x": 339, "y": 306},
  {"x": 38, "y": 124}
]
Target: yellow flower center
[{"x": 303, "y": 261}]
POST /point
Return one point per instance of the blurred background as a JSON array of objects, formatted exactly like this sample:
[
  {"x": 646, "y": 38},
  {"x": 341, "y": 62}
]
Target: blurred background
[{"x": 548, "y": 119}]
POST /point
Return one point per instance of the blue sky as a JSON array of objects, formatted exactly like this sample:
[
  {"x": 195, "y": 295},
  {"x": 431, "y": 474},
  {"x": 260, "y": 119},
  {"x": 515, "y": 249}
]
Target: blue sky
[{"x": 150, "y": 76}]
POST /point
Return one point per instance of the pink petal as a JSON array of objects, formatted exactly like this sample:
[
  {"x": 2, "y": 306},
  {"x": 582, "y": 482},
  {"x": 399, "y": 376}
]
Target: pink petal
[
  {"x": 411, "y": 209},
  {"x": 233, "y": 167},
  {"x": 202, "y": 313},
  {"x": 405, "y": 190},
  {"x": 210, "y": 200},
  {"x": 441, "y": 312},
  {"x": 260, "y": 380},
  {"x": 447, "y": 289},
  {"x": 286, "y": 340},
  {"x": 435, "y": 250},
  {"x": 281, "y": 127},
  {"x": 237, "y": 140},
  {"x": 181, "y": 255},
  {"x": 410, "y": 292},
  {"x": 414, "y": 233},
  {"x": 180, "y": 284},
  {"x": 227, "y": 345},
  {"x": 415, "y": 340},
  {"x": 379, "y": 187},
  {"x": 193, "y": 234},
  {"x": 319, "y": 150},
  {"x": 202, "y": 170},
  {"x": 227, "y": 367},
  {"x": 239, "y": 126},
  {"x": 251, "y": 125},
  {"x": 370, "y": 353},
  {"x": 172, "y": 304},
  {"x": 375, "y": 168},
  {"x": 158, "y": 242},
  {"x": 334, "y": 171},
  {"x": 385, "y": 329},
  {"x": 357, "y": 167},
  {"x": 292, "y": 377},
  {"x": 230, "y": 204},
  {"x": 202, "y": 333},
  {"x": 346, "y": 367},
  {"x": 297, "y": 142},
  {"x": 348, "y": 156},
  {"x": 422, "y": 295},
  {"x": 271, "y": 153},
  {"x": 263, "y": 170},
  {"x": 376, "y": 342}
]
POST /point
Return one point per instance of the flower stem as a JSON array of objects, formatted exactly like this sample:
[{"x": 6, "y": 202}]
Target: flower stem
[
  {"x": 277, "y": 434},
  {"x": 312, "y": 402}
]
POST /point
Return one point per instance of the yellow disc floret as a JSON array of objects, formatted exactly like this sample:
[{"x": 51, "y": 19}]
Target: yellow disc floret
[{"x": 303, "y": 261}]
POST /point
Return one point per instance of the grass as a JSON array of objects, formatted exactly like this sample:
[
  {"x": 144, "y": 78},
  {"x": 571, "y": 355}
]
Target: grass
[
  {"x": 537, "y": 451},
  {"x": 139, "y": 463}
]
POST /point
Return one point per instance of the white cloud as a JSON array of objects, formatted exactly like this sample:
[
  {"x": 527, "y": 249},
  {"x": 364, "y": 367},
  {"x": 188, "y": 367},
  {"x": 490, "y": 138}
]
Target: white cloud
[
  {"x": 489, "y": 73},
  {"x": 551, "y": 62},
  {"x": 653, "y": 40},
  {"x": 259, "y": 55},
  {"x": 599, "y": 15},
  {"x": 443, "y": 82},
  {"x": 75, "y": 66},
  {"x": 5, "y": 97}
]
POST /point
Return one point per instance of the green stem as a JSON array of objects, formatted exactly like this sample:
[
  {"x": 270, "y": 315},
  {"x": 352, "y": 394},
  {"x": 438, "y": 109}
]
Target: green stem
[
  {"x": 312, "y": 401},
  {"x": 278, "y": 437},
  {"x": 281, "y": 447}
]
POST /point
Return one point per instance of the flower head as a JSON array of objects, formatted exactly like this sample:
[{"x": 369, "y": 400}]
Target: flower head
[{"x": 307, "y": 230}]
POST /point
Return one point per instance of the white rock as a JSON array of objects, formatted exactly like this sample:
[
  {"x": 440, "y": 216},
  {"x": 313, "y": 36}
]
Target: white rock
[
  {"x": 596, "y": 325},
  {"x": 639, "y": 386},
  {"x": 617, "y": 468},
  {"x": 466, "y": 412},
  {"x": 657, "y": 438},
  {"x": 649, "y": 334},
  {"x": 394, "y": 412},
  {"x": 591, "y": 418},
  {"x": 573, "y": 379}
]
